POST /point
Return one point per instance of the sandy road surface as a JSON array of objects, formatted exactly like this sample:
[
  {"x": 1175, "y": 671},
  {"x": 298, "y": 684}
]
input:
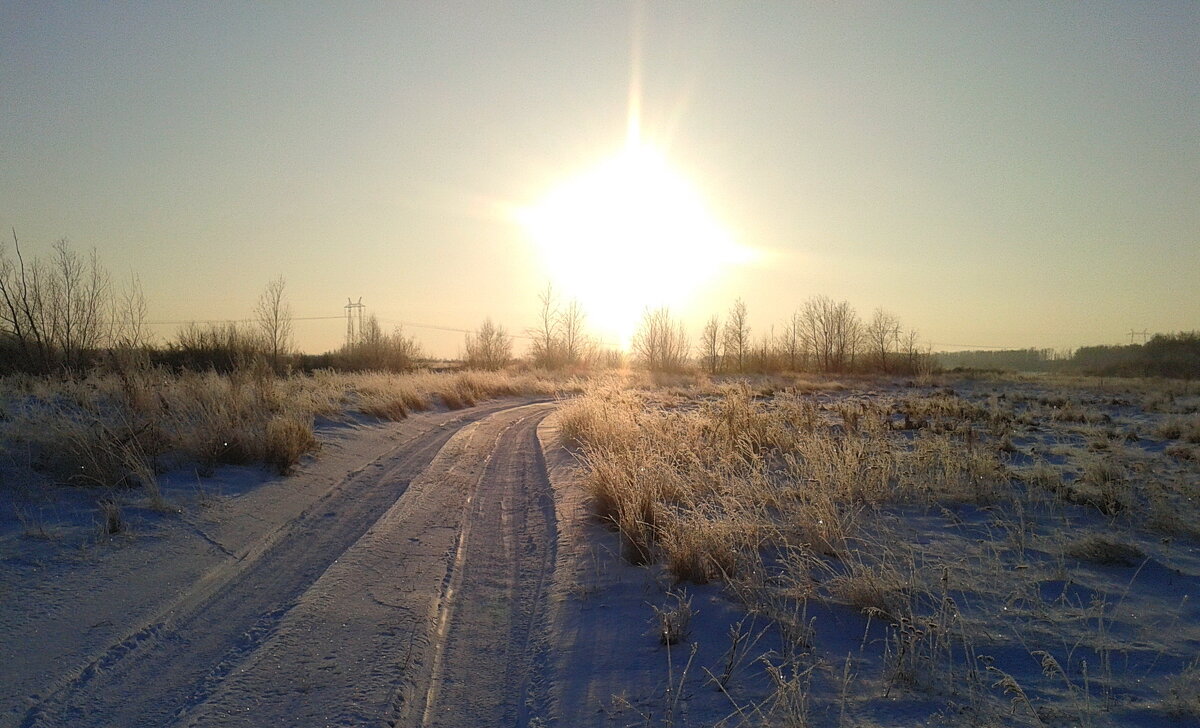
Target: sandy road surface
[{"x": 414, "y": 593}]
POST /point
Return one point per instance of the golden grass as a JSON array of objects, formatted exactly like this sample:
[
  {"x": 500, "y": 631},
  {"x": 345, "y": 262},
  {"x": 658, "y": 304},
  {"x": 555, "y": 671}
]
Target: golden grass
[
  {"x": 703, "y": 486},
  {"x": 790, "y": 497},
  {"x": 114, "y": 430}
]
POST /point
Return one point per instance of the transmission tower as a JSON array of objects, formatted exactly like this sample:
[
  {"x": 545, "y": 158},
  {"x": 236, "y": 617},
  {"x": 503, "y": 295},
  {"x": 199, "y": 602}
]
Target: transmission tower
[
  {"x": 1143, "y": 334},
  {"x": 354, "y": 321}
]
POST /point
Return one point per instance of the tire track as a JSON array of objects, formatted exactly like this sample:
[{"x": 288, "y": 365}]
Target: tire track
[
  {"x": 365, "y": 645},
  {"x": 163, "y": 668},
  {"x": 488, "y": 649}
]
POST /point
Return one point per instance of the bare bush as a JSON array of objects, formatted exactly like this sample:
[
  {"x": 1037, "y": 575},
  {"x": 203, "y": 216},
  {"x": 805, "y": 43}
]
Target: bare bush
[
  {"x": 661, "y": 344},
  {"x": 560, "y": 339},
  {"x": 832, "y": 332},
  {"x": 736, "y": 338},
  {"x": 376, "y": 350},
  {"x": 220, "y": 347},
  {"x": 489, "y": 348},
  {"x": 56, "y": 311},
  {"x": 674, "y": 620},
  {"x": 710, "y": 345}
]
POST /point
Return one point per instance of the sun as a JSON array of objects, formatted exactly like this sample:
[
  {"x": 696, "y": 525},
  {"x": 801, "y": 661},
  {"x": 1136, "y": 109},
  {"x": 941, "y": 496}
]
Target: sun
[{"x": 629, "y": 233}]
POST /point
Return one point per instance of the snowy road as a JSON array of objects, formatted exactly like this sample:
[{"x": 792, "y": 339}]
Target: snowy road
[{"x": 412, "y": 593}]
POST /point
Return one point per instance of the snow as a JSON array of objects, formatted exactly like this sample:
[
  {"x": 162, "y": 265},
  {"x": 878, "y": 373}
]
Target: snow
[{"x": 1032, "y": 635}]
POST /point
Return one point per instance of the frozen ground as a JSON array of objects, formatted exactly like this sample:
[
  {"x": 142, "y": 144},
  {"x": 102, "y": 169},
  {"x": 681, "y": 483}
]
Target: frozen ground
[
  {"x": 1057, "y": 587},
  {"x": 445, "y": 570}
]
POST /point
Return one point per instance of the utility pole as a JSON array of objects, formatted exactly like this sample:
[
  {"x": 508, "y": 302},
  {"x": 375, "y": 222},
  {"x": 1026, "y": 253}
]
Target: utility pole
[{"x": 354, "y": 321}]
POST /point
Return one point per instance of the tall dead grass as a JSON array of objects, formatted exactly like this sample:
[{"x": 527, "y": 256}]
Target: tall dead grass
[
  {"x": 791, "y": 497},
  {"x": 707, "y": 487},
  {"x": 117, "y": 430}
]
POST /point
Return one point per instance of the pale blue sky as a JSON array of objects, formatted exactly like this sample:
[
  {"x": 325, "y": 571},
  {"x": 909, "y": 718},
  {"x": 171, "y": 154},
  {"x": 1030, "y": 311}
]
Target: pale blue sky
[{"x": 1014, "y": 174}]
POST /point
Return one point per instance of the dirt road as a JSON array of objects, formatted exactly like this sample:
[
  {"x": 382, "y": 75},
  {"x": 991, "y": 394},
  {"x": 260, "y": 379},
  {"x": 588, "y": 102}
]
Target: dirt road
[{"x": 412, "y": 593}]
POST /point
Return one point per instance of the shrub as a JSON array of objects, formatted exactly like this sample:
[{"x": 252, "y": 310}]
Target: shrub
[{"x": 288, "y": 438}]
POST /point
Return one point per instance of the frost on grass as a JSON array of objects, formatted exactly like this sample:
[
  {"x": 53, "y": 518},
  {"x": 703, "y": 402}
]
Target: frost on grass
[
  {"x": 119, "y": 436},
  {"x": 993, "y": 552}
]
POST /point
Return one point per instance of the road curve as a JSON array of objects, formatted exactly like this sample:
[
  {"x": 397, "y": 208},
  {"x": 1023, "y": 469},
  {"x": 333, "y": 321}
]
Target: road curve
[{"x": 412, "y": 594}]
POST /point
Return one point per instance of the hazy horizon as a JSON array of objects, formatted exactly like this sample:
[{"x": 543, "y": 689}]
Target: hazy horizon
[{"x": 995, "y": 175}]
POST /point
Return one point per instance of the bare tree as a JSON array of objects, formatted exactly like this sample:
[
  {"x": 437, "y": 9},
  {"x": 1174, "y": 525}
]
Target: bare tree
[
  {"x": 791, "y": 343},
  {"x": 661, "y": 343},
  {"x": 129, "y": 331},
  {"x": 560, "y": 339},
  {"x": 817, "y": 338},
  {"x": 58, "y": 311},
  {"x": 545, "y": 348},
  {"x": 78, "y": 303},
  {"x": 274, "y": 317},
  {"x": 832, "y": 332},
  {"x": 849, "y": 335},
  {"x": 912, "y": 352},
  {"x": 20, "y": 315},
  {"x": 576, "y": 345},
  {"x": 737, "y": 336},
  {"x": 882, "y": 334},
  {"x": 710, "y": 344},
  {"x": 490, "y": 347}
]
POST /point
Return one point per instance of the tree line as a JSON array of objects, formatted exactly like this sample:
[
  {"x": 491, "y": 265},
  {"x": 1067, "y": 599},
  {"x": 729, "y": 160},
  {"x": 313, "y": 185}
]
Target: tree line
[
  {"x": 61, "y": 313},
  {"x": 823, "y": 335},
  {"x": 1173, "y": 355}
]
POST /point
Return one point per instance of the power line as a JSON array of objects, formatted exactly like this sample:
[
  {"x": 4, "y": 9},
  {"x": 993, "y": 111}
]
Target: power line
[
  {"x": 982, "y": 346},
  {"x": 413, "y": 324},
  {"x": 416, "y": 325},
  {"x": 232, "y": 321}
]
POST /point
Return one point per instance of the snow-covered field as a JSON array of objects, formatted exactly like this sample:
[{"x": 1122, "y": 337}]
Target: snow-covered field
[
  {"x": 998, "y": 551},
  {"x": 1036, "y": 562}
]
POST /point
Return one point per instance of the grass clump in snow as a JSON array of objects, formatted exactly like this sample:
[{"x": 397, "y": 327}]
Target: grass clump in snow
[
  {"x": 116, "y": 430},
  {"x": 938, "y": 518},
  {"x": 1105, "y": 551},
  {"x": 1180, "y": 428}
]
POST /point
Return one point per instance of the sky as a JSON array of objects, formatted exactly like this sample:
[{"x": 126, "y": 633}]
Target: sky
[{"x": 1008, "y": 174}]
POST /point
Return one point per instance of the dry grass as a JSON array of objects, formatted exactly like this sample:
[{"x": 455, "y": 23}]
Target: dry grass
[
  {"x": 1180, "y": 428},
  {"x": 1102, "y": 486},
  {"x": 1183, "y": 694},
  {"x": 703, "y": 486},
  {"x": 790, "y": 498},
  {"x": 115, "y": 431},
  {"x": 112, "y": 520},
  {"x": 288, "y": 438},
  {"x": 674, "y": 620},
  {"x": 1105, "y": 551}
]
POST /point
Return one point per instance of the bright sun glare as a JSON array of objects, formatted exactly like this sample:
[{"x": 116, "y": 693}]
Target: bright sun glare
[{"x": 629, "y": 233}]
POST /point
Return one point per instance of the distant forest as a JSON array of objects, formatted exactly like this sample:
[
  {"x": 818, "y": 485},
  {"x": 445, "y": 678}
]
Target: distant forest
[{"x": 1164, "y": 355}]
